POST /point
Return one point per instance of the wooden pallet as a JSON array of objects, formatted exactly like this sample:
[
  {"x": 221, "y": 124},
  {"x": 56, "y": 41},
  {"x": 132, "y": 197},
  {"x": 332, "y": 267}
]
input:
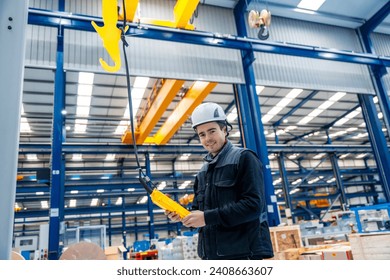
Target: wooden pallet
[{"x": 370, "y": 246}]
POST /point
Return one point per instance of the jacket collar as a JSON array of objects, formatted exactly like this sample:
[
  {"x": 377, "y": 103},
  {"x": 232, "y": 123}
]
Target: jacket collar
[{"x": 209, "y": 157}]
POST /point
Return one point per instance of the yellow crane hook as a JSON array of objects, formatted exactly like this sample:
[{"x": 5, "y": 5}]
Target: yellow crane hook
[{"x": 110, "y": 34}]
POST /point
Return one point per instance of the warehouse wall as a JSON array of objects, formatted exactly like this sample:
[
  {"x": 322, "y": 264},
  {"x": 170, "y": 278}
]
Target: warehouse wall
[
  {"x": 183, "y": 61},
  {"x": 297, "y": 72},
  {"x": 159, "y": 59}
]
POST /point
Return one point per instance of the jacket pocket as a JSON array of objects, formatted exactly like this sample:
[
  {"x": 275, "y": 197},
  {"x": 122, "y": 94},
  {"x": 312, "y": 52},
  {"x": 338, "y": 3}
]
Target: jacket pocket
[
  {"x": 232, "y": 242},
  {"x": 226, "y": 192}
]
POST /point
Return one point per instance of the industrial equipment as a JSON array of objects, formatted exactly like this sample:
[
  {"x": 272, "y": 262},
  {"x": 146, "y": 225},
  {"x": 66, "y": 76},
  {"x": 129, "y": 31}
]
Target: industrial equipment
[
  {"x": 162, "y": 200},
  {"x": 260, "y": 20}
]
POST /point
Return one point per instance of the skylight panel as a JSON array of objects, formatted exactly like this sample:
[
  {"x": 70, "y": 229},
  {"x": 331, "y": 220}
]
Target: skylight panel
[
  {"x": 121, "y": 128},
  {"x": 141, "y": 82},
  {"x": 110, "y": 157},
  {"x": 44, "y": 204},
  {"x": 162, "y": 185},
  {"x": 119, "y": 201},
  {"x": 233, "y": 115},
  {"x": 184, "y": 156},
  {"x": 72, "y": 203},
  {"x": 259, "y": 89},
  {"x": 86, "y": 78},
  {"x": 325, "y": 105},
  {"x": 348, "y": 117},
  {"x": 77, "y": 157},
  {"x": 24, "y": 125},
  {"x": 305, "y": 120},
  {"x": 84, "y": 90},
  {"x": 94, "y": 201},
  {"x": 142, "y": 200},
  {"x": 80, "y": 126},
  {"x": 32, "y": 157},
  {"x": 313, "y": 5},
  {"x": 294, "y": 93}
]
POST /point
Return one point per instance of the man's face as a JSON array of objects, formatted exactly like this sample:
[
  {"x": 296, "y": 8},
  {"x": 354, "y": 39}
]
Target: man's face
[{"x": 211, "y": 136}]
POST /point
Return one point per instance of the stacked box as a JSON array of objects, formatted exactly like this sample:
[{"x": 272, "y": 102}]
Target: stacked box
[
  {"x": 190, "y": 247},
  {"x": 370, "y": 246}
]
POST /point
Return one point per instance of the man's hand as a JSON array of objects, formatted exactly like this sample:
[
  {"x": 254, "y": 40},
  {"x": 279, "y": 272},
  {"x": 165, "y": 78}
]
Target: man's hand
[
  {"x": 195, "y": 219},
  {"x": 172, "y": 216}
]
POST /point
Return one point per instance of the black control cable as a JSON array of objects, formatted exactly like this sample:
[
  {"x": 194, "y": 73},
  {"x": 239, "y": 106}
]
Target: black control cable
[{"x": 144, "y": 179}]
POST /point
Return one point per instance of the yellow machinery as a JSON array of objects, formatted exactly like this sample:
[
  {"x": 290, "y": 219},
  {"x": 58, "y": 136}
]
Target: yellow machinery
[{"x": 162, "y": 200}]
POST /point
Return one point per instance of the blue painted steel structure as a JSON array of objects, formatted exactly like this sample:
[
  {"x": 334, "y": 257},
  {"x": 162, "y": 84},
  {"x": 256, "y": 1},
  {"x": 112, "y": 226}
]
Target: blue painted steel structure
[
  {"x": 245, "y": 95},
  {"x": 150, "y": 203},
  {"x": 337, "y": 175},
  {"x": 57, "y": 161},
  {"x": 377, "y": 71},
  {"x": 377, "y": 140},
  {"x": 47, "y": 18},
  {"x": 255, "y": 132},
  {"x": 385, "y": 206}
]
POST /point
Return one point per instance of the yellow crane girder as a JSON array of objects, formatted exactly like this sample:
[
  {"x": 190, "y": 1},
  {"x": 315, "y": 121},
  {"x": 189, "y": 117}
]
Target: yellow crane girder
[
  {"x": 164, "y": 97},
  {"x": 195, "y": 95}
]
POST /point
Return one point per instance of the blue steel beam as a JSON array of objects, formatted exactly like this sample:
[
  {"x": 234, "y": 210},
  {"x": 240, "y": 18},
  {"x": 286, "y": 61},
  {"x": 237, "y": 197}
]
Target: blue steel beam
[
  {"x": 378, "y": 72},
  {"x": 377, "y": 140},
  {"x": 253, "y": 132},
  {"x": 55, "y": 19},
  {"x": 167, "y": 149},
  {"x": 375, "y": 20},
  {"x": 109, "y": 148}
]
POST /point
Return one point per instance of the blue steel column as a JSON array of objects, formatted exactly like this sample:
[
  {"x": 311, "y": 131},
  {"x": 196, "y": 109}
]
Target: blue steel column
[
  {"x": 178, "y": 225},
  {"x": 249, "y": 100},
  {"x": 124, "y": 231},
  {"x": 337, "y": 174},
  {"x": 377, "y": 141},
  {"x": 150, "y": 203},
  {"x": 285, "y": 185},
  {"x": 57, "y": 159},
  {"x": 377, "y": 71},
  {"x": 13, "y": 21}
]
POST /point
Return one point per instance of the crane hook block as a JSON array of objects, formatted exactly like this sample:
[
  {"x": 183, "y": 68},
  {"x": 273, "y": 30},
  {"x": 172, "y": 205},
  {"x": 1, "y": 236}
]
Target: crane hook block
[{"x": 110, "y": 34}]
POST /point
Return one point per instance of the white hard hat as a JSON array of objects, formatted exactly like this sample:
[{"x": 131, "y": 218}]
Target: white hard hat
[{"x": 207, "y": 112}]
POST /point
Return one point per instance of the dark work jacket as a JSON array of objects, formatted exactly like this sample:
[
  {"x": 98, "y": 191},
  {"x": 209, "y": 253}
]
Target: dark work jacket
[{"x": 230, "y": 190}]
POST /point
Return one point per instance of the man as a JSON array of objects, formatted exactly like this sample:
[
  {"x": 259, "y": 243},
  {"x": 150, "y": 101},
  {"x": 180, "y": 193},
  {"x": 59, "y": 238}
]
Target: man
[{"x": 229, "y": 205}]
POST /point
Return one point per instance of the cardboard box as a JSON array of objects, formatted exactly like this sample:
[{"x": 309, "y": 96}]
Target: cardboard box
[
  {"x": 337, "y": 254},
  {"x": 115, "y": 252},
  {"x": 311, "y": 256}
]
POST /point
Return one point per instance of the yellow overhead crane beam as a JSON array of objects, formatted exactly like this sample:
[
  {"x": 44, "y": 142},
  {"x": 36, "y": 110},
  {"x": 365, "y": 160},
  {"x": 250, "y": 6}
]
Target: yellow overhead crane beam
[
  {"x": 160, "y": 103},
  {"x": 131, "y": 8},
  {"x": 195, "y": 95},
  {"x": 182, "y": 12}
]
